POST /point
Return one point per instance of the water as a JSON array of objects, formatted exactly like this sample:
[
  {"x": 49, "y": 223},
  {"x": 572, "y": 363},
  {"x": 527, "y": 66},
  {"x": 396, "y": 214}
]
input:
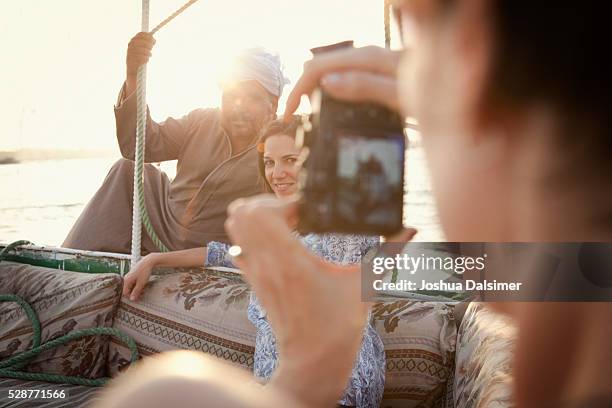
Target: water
[{"x": 40, "y": 200}]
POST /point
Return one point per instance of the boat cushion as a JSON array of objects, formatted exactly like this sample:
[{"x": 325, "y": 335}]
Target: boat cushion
[
  {"x": 193, "y": 309},
  {"x": 419, "y": 340},
  {"x": 205, "y": 310},
  {"x": 483, "y": 374},
  {"x": 64, "y": 301}
]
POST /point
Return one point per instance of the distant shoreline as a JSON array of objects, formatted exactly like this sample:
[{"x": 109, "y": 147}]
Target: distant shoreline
[{"x": 24, "y": 155}]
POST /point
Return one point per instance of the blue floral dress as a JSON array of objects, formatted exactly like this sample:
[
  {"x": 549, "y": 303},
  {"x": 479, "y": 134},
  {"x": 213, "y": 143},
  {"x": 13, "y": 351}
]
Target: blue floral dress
[{"x": 366, "y": 384}]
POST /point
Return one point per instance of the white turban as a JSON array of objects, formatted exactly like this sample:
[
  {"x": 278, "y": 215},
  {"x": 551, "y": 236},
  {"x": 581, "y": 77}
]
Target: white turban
[{"x": 259, "y": 65}]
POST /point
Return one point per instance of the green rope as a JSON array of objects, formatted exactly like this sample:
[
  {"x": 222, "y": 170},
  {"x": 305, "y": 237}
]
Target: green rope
[
  {"x": 146, "y": 221},
  {"x": 11, "y": 247},
  {"x": 35, "y": 324},
  {"x": 11, "y": 367}
]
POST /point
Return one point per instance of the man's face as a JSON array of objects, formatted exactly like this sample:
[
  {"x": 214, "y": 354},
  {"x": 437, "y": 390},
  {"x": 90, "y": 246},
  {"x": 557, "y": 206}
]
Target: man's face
[{"x": 245, "y": 108}]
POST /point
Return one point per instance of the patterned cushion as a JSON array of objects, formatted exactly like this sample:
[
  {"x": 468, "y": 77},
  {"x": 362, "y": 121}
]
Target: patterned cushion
[
  {"x": 193, "y": 309},
  {"x": 485, "y": 345},
  {"x": 64, "y": 301},
  {"x": 419, "y": 339},
  {"x": 206, "y": 310}
]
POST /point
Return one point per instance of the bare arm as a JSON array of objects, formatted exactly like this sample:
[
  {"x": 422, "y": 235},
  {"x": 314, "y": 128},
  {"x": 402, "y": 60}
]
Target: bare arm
[
  {"x": 184, "y": 258},
  {"x": 138, "y": 277}
]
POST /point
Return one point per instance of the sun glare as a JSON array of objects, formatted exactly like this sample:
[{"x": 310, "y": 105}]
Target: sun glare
[{"x": 66, "y": 60}]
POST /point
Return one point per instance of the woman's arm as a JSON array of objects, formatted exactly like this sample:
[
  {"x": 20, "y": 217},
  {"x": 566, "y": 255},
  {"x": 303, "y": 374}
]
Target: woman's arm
[
  {"x": 178, "y": 259},
  {"x": 140, "y": 273}
]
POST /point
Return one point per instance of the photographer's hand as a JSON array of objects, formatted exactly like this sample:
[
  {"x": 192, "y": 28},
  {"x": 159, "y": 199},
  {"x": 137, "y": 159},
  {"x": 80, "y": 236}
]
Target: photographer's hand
[
  {"x": 351, "y": 74},
  {"x": 314, "y": 307}
]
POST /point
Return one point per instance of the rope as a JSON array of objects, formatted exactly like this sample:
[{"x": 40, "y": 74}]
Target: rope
[
  {"x": 33, "y": 318},
  {"x": 11, "y": 367},
  {"x": 172, "y": 16},
  {"x": 140, "y": 215},
  {"x": 387, "y": 18},
  {"x": 12, "y": 246}
]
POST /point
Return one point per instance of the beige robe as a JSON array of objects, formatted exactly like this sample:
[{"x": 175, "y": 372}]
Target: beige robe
[{"x": 186, "y": 212}]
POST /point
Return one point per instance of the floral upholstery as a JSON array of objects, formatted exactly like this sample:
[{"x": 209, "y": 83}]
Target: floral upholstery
[
  {"x": 206, "y": 310},
  {"x": 485, "y": 345},
  {"x": 64, "y": 301},
  {"x": 419, "y": 339},
  {"x": 191, "y": 309},
  {"x": 428, "y": 362}
]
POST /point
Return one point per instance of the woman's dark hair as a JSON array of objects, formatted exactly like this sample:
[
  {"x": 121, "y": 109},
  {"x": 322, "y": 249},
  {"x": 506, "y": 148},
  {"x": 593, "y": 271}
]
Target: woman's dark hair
[{"x": 274, "y": 128}]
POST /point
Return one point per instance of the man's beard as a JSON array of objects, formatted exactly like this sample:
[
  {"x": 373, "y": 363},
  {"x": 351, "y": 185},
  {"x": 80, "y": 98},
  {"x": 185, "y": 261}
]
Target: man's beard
[{"x": 243, "y": 126}]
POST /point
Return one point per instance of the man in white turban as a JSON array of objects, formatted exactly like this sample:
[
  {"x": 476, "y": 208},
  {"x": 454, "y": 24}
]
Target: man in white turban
[
  {"x": 259, "y": 65},
  {"x": 216, "y": 153},
  {"x": 254, "y": 73}
]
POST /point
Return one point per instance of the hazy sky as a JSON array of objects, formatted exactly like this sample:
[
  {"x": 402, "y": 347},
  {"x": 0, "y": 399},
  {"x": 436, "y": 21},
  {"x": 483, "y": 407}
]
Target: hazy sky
[{"x": 62, "y": 62}]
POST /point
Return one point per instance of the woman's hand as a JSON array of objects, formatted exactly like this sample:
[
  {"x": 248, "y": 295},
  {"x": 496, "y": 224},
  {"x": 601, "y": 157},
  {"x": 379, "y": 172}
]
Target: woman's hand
[
  {"x": 314, "y": 307},
  {"x": 352, "y": 74},
  {"x": 135, "y": 281}
]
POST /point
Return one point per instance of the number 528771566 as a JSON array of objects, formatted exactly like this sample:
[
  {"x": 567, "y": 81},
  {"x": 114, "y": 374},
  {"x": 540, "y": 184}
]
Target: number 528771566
[{"x": 36, "y": 394}]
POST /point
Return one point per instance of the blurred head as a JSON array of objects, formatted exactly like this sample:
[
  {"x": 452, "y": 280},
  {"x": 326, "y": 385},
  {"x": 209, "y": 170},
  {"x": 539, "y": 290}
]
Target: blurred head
[
  {"x": 279, "y": 162},
  {"x": 513, "y": 102},
  {"x": 246, "y": 107}
]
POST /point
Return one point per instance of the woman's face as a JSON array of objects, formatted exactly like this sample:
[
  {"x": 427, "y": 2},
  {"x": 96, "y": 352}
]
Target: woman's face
[{"x": 281, "y": 164}]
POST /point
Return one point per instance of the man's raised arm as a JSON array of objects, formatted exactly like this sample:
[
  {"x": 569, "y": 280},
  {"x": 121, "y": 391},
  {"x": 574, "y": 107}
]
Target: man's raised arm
[{"x": 163, "y": 140}]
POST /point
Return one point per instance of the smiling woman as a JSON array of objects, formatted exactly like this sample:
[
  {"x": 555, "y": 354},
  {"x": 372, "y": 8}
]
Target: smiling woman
[{"x": 279, "y": 157}]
